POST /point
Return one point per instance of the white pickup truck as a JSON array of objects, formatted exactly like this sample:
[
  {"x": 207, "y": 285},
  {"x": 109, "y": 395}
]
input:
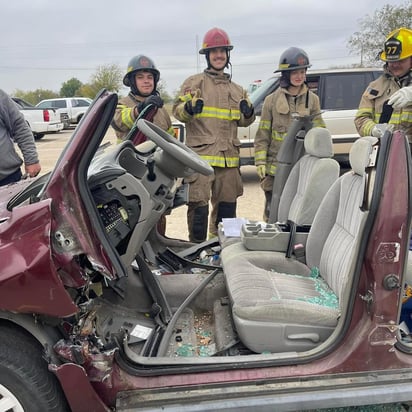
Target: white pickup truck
[
  {"x": 73, "y": 107},
  {"x": 41, "y": 121}
]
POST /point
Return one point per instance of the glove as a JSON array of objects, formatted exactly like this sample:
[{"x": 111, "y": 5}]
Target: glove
[
  {"x": 246, "y": 108},
  {"x": 195, "y": 106},
  {"x": 154, "y": 100},
  {"x": 261, "y": 171},
  {"x": 401, "y": 98},
  {"x": 379, "y": 129}
]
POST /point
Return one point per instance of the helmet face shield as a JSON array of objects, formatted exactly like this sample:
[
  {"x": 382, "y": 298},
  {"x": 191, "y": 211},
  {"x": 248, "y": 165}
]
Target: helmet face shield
[{"x": 397, "y": 46}]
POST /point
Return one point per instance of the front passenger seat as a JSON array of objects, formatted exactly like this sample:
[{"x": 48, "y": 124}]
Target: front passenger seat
[{"x": 282, "y": 305}]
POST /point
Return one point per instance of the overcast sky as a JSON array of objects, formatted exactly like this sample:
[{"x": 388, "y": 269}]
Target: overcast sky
[{"x": 44, "y": 43}]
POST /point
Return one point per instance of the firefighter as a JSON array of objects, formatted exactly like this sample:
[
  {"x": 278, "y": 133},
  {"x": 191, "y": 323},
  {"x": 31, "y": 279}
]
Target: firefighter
[
  {"x": 292, "y": 97},
  {"x": 375, "y": 114},
  {"x": 142, "y": 77},
  {"x": 213, "y": 107}
]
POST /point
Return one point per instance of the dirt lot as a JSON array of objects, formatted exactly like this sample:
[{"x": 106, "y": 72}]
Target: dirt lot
[{"x": 250, "y": 205}]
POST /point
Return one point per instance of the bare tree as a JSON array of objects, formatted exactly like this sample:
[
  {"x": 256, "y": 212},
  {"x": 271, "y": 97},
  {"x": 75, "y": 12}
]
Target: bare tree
[{"x": 367, "y": 43}]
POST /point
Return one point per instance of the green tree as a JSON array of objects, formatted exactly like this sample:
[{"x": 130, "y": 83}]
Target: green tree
[
  {"x": 367, "y": 43},
  {"x": 70, "y": 88},
  {"x": 106, "y": 77},
  {"x": 87, "y": 91},
  {"x": 161, "y": 88},
  {"x": 35, "y": 96}
]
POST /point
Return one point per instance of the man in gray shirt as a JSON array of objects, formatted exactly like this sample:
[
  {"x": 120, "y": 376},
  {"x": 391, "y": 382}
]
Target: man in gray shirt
[{"x": 14, "y": 129}]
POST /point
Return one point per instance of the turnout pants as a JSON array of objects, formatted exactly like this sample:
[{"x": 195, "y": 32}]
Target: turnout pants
[{"x": 222, "y": 189}]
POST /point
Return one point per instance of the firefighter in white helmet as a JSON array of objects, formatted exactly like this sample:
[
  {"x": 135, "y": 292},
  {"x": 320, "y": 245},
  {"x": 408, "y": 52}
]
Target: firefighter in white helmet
[
  {"x": 213, "y": 106},
  {"x": 387, "y": 101}
]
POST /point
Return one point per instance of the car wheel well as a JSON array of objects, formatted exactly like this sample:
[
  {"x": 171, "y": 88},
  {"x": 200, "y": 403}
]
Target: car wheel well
[
  {"x": 24, "y": 374},
  {"x": 45, "y": 336}
]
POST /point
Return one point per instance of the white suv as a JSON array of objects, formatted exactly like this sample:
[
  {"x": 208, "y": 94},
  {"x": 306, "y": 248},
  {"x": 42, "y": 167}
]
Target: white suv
[{"x": 339, "y": 93}]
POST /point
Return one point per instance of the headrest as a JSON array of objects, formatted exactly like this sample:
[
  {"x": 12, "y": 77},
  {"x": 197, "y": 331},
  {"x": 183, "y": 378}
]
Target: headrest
[
  {"x": 359, "y": 155},
  {"x": 318, "y": 142}
]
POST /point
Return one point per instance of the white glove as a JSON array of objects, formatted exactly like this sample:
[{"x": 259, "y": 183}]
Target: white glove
[
  {"x": 401, "y": 98},
  {"x": 379, "y": 129}
]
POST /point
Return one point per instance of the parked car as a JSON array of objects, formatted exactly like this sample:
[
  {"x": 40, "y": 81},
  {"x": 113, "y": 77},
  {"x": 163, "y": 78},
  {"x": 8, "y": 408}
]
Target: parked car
[
  {"x": 40, "y": 120},
  {"x": 339, "y": 91},
  {"x": 73, "y": 107},
  {"x": 98, "y": 312}
]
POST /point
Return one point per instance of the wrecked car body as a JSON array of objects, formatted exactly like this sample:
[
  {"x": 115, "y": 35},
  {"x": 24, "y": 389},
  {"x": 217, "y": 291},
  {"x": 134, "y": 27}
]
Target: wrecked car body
[{"x": 113, "y": 316}]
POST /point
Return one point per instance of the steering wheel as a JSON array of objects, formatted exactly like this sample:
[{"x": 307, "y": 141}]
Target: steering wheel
[{"x": 175, "y": 148}]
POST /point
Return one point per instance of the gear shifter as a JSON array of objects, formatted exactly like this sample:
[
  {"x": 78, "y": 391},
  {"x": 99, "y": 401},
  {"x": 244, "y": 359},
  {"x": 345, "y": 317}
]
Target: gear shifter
[{"x": 150, "y": 167}]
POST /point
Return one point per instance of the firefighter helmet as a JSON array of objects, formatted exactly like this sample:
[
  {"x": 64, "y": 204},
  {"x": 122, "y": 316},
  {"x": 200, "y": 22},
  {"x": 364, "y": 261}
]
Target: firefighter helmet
[
  {"x": 215, "y": 38},
  {"x": 140, "y": 63},
  {"x": 397, "y": 46},
  {"x": 293, "y": 58}
]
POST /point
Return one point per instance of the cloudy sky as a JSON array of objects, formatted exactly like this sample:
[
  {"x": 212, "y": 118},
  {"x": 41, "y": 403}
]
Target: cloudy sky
[{"x": 43, "y": 43}]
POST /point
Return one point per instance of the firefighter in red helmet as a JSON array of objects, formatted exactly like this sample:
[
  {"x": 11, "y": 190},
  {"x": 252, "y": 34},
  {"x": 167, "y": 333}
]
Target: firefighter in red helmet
[{"x": 213, "y": 107}]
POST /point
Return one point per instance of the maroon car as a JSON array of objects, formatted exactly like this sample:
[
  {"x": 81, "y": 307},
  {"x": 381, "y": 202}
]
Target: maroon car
[{"x": 98, "y": 312}]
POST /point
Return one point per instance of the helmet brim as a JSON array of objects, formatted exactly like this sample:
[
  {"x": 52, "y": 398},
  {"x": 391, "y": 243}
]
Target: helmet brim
[
  {"x": 291, "y": 69},
  {"x": 206, "y": 49}
]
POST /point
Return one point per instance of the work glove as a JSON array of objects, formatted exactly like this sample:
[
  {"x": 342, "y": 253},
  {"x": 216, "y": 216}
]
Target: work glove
[
  {"x": 401, "y": 98},
  {"x": 246, "y": 107},
  {"x": 379, "y": 129},
  {"x": 194, "y": 106},
  {"x": 154, "y": 100},
  {"x": 261, "y": 171}
]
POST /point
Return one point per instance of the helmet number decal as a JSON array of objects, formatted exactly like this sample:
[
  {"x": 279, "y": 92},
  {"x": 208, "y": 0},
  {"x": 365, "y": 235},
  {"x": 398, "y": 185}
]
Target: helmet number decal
[{"x": 393, "y": 49}]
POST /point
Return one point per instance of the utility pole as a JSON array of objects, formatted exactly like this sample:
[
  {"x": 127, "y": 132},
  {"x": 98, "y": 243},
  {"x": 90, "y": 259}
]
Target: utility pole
[{"x": 197, "y": 54}]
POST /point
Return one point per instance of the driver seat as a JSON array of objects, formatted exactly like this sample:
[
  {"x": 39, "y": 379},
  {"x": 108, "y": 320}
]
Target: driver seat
[
  {"x": 281, "y": 304},
  {"x": 309, "y": 180}
]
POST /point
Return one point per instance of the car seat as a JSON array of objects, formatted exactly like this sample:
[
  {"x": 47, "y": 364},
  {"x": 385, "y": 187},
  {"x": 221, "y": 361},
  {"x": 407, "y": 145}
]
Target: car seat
[
  {"x": 308, "y": 181},
  {"x": 280, "y": 304}
]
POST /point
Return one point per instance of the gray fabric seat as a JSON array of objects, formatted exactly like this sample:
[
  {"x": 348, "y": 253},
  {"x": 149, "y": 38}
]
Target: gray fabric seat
[
  {"x": 309, "y": 179},
  {"x": 280, "y": 304},
  {"x": 307, "y": 183}
]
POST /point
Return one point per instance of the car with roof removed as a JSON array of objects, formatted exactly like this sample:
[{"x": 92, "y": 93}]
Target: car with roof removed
[{"x": 100, "y": 312}]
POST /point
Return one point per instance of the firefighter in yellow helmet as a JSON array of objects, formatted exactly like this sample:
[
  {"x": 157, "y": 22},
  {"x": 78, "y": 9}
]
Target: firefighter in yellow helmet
[
  {"x": 213, "y": 106},
  {"x": 384, "y": 105},
  {"x": 293, "y": 96}
]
